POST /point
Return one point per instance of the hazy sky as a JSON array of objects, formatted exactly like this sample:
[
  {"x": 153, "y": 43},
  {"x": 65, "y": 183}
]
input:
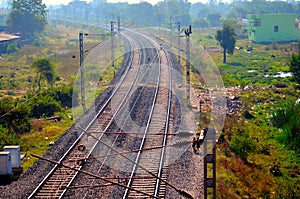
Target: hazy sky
[{"x": 57, "y": 2}]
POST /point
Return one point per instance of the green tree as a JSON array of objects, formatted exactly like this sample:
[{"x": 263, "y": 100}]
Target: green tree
[
  {"x": 27, "y": 17},
  {"x": 214, "y": 20},
  {"x": 226, "y": 37},
  {"x": 45, "y": 70},
  {"x": 295, "y": 66}
]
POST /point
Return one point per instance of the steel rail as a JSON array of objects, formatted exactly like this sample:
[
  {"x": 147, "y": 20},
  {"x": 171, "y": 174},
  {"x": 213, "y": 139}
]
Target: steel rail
[
  {"x": 80, "y": 136},
  {"x": 125, "y": 195},
  {"x": 163, "y": 151},
  {"x": 116, "y": 112},
  {"x": 111, "y": 119}
]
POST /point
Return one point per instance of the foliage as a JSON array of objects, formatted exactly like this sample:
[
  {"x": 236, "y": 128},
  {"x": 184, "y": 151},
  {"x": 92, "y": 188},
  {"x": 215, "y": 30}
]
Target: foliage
[
  {"x": 7, "y": 138},
  {"x": 27, "y": 17},
  {"x": 286, "y": 117},
  {"x": 62, "y": 94},
  {"x": 45, "y": 70},
  {"x": 242, "y": 145},
  {"x": 44, "y": 106},
  {"x": 11, "y": 48},
  {"x": 214, "y": 20},
  {"x": 14, "y": 116},
  {"x": 200, "y": 23},
  {"x": 226, "y": 37},
  {"x": 295, "y": 66}
]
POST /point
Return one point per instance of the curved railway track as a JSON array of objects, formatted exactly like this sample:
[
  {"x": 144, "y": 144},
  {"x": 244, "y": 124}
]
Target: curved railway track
[
  {"x": 147, "y": 178},
  {"x": 55, "y": 184}
]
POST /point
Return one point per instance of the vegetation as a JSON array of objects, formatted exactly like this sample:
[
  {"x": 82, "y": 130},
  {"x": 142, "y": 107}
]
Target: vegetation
[
  {"x": 45, "y": 70},
  {"x": 27, "y": 17},
  {"x": 226, "y": 37},
  {"x": 258, "y": 150},
  {"x": 295, "y": 66},
  {"x": 286, "y": 118}
]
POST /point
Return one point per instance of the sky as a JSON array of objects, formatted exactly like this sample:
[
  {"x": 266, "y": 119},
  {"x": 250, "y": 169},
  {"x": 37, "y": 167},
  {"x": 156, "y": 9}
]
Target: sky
[{"x": 57, "y": 2}]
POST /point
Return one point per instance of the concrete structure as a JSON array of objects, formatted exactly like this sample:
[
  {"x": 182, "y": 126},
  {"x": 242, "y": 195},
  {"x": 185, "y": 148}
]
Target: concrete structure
[
  {"x": 15, "y": 155},
  {"x": 5, "y": 167},
  {"x": 273, "y": 27},
  {"x": 6, "y": 39}
]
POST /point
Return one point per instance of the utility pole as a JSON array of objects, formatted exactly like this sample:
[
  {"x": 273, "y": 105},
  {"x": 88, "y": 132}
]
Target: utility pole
[
  {"x": 112, "y": 43},
  {"x": 187, "y": 34},
  {"x": 82, "y": 71},
  {"x": 210, "y": 158},
  {"x": 119, "y": 24},
  {"x": 171, "y": 32},
  {"x": 178, "y": 41}
]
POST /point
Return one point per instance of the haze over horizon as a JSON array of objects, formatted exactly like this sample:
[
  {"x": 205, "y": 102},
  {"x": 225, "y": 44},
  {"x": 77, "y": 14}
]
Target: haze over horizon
[{"x": 59, "y": 2}]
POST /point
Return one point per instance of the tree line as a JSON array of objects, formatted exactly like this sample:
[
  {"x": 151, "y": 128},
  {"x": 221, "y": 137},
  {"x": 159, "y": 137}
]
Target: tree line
[{"x": 203, "y": 15}]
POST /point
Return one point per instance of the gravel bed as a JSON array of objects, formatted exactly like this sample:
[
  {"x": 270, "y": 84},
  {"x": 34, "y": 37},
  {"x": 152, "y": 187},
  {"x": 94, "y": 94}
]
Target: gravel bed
[{"x": 31, "y": 178}]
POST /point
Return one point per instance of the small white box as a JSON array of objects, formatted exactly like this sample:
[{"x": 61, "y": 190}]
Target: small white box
[
  {"x": 15, "y": 152},
  {"x": 5, "y": 163}
]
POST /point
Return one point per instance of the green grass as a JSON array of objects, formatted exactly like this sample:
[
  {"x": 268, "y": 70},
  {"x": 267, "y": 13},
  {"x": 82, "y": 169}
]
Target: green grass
[
  {"x": 253, "y": 178},
  {"x": 19, "y": 78},
  {"x": 43, "y": 132}
]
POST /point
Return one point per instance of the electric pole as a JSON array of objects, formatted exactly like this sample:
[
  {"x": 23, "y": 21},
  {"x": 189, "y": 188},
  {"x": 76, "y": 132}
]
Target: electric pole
[
  {"x": 178, "y": 41},
  {"x": 82, "y": 71},
  {"x": 187, "y": 34},
  {"x": 171, "y": 32},
  {"x": 112, "y": 43}
]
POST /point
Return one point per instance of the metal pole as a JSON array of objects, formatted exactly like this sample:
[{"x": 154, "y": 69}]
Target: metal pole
[
  {"x": 112, "y": 44},
  {"x": 178, "y": 28},
  {"x": 187, "y": 33},
  {"x": 171, "y": 32},
  {"x": 119, "y": 25},
  {"x": 82, "y": 71}
]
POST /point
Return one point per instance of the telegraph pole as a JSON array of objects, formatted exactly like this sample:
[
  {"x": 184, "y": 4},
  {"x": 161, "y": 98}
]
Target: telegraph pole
[
  {"x": 112, "y": 43},
  {"x": 82, "y": 71},
  {"x": 119, "y": 24},
  {"x": 178, "y": 41},
  {"x": 187, "y": 34},
  {"x": 171, "y": 32}
]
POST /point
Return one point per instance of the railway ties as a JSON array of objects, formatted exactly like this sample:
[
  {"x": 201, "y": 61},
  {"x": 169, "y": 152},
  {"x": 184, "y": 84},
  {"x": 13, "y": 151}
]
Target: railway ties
[
  {"x": 143, "y": 183},
  {"x": 151, "y": 163}
]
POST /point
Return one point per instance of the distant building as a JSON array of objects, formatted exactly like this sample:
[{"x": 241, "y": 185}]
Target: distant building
[
  {"x": 273, "y": 27},
  {"x": 6, "y": 39}
]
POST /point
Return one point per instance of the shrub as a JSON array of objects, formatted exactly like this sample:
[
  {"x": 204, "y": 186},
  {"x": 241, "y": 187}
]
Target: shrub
[
  {"x": 44, "y": 106},
  {"x": 14, "y": 116},
  {"x": 11, "y": 48},
  {"x": 63, "y": 95},
  {"x": 242, "y": 145},
  {"x": 7, "y": 138},
  {"x": 286, "y": 117}
]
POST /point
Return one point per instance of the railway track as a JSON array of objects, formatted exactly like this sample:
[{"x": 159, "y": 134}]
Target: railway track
[
  {"x": 152, "y": 161},
  {"x": 147, "y": 177},
  {"x": 55, "y": 184}
]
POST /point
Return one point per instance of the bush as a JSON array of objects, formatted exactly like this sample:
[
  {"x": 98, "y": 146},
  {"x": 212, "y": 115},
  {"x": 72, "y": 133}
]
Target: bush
[
  {"x": 286, "y": 117},
  {"x": 44, "y": 106},
  {"x": 14, "y": 116},
  {"x": 7, "y": 138},
  {"x": 63, "y": 95},
  {"x": 242, "y": 145},
  {"x": 11, "y": 48}
]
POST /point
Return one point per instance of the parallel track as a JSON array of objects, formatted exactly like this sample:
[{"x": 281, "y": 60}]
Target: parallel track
[
  {"x": 149, "y": 163},
  {"x": 56, "y": 183}
]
